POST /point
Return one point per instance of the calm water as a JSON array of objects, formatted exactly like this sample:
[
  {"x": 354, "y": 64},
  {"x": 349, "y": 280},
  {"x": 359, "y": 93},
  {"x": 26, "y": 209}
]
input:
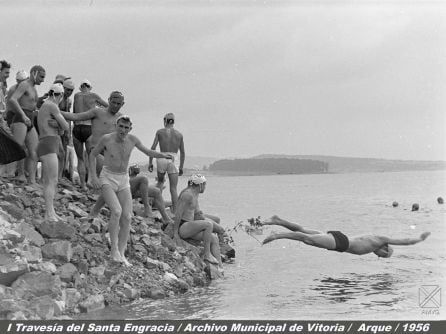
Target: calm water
[{"x": 290, "y": 280}]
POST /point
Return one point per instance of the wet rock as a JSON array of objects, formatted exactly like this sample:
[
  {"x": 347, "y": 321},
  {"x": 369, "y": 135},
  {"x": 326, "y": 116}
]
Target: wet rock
[
  {"x": 30, "y": 233},
  {"x": 59, "y": 250},
  {"x": 57, "y": 230},
  {"x": 92, "y": 303},
  {"x": 440, "y": 200},
  {"x": 212, "y": 271},
  {"x": 67, "y": 272},
  {"x": 395, "y": 204},
  {"x": 415, "y": 207},
  {"x": 37, "y": 283},
  {"x": 227, "y": 250}
]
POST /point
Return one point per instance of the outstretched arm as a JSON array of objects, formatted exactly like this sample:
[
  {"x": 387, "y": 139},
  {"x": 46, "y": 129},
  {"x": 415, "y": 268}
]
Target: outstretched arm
[
  {"x": 83, "y": 116},
  {"x": 151, "y": 153},
  {"x": 155, "y": 143},
  {"x": 182, "y": 157},
  {"x": 408, "y": 241}
]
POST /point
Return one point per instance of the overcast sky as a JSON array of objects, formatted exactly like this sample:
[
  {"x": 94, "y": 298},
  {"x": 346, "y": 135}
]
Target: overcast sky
[{"x": 252, "y": 77}]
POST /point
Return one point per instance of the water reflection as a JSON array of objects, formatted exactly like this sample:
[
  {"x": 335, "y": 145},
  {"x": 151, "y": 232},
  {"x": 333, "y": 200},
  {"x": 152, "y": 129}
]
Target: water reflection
[{"x": 357, "y": 287}]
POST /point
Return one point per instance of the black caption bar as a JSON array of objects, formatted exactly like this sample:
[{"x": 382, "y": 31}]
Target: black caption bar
[{"x": 221, "y": 327}]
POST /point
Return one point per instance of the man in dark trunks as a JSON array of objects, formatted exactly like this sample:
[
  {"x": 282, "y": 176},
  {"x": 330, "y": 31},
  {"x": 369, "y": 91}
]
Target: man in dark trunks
[
  {"x": 23, "y": 102},
  {"x": 338, "y": 241}
]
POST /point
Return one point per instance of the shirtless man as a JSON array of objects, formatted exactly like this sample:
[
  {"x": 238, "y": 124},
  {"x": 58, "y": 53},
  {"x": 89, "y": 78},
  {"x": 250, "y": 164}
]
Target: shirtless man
[
  {"x": 23, "y": 103},
  {"x": 114, "y": 181},
  {"x": 139, "y": 187},
  {"x": 171, "y": 141},
  {"x": 48, "y": 147},
  {"x": 188, "y": 227},
  {"x": 337, "y": 241},
  {"x": 102, "y": 122},
  {"x": 83, "y": 101}
]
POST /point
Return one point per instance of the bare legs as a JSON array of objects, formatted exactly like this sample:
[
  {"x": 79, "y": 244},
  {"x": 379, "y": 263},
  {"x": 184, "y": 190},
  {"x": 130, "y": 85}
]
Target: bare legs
[
  {"x": 49, "y": 173},
  {"x": 81, "y": 163},
  {"x": 30, "y": 140},
  {"x": 173, "y": 183},
  {"x": 120, "y": 205},
  {"x": 202, "y": 230}
]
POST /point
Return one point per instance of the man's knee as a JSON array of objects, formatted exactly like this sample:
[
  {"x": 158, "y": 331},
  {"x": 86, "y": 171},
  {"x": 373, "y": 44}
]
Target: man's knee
[{"x": 116, "y": 211}]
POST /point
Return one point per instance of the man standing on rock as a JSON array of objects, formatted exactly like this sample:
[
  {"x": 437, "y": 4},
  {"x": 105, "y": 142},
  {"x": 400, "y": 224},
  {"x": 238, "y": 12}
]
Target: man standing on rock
[
  {"x": 171, "y": 141},
  {"x": 102, "y": 122},
  {"x": 114, "y": 181}
]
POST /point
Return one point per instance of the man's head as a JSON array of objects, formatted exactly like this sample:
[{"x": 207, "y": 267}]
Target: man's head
[
  {"x": 169, "y": 119},
  {"x": 385, "y": 251},
  {"x": 21, "y": 75},
  {"x": 37, "y": 74},
  {"x": 115, "y": 102},
  {"x": 56, "y": 92},
  {"x": 197, "y": 180},
  {"x": 123, "y": 126},
  {"x": 5, "y": 69},
  {"x": 85, "y": 86},
  {"x": 60, "y": 78},
  {"x": 68, "y": 86},
  {"x": 134, "y": 170}
]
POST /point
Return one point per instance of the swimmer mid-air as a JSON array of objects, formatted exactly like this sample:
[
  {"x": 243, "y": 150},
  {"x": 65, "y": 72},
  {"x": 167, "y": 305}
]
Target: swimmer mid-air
[{"x": 338, "y": 241}]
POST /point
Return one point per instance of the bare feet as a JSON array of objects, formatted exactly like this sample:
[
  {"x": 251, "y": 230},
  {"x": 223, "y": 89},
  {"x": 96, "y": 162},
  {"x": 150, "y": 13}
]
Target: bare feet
[
  {"x": 116, "y": 256},
  {"x": 211, "y": 259},
  {"x": 271, "y": 221},
  {"x": 125, "y": 262}
]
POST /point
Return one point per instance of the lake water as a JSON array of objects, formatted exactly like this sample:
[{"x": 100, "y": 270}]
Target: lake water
[{"x": 290, "y": 280}]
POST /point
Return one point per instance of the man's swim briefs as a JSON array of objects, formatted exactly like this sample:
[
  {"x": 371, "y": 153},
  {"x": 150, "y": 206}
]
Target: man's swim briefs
[
  {"x": 341, "y": 240},
  {"x": 48, "y": 145}
]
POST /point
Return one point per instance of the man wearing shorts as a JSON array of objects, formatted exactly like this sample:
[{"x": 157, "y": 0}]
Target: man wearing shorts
[
  {"x": 48, "y": 146},
  {"x": 171, "y": 141},
  {"x": 102, "y": 122},
  {"x": 23, "y": 103},
  {"x": 114, "y": 181},
  {"x": 83, "y": 101}
]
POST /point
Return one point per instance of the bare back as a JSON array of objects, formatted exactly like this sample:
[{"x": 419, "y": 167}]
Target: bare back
[{"x": 169, "y": 139}]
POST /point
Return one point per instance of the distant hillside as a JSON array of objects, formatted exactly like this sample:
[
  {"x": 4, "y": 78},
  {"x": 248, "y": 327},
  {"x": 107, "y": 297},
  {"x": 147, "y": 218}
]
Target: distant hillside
[
  {"x": 270, "y": 166},
  {"x": 191, "y": 163},
  {"x": 347, "y": 165}
]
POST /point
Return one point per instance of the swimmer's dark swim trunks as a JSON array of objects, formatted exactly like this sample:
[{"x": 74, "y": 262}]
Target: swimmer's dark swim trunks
[
  {"x": 19, "y": 119},
  {"x": 341, "y": 239},
  {"x": 48, "y": 145},
  {"x": 82, "y": 132}
]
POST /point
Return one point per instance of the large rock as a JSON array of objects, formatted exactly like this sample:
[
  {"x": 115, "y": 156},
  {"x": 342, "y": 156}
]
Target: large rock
[
  {"x": 92, "y": 303},
  {"x": 30, "y": 233},
  {"x": 36, "y": 284},
  {"x": 67, "y": 272},
  {"x": 59, "y": 250},
  {"x": 57, "y": 230},
  {"x": 12, "y": 209},
  {"x": 11, "y": 269}
]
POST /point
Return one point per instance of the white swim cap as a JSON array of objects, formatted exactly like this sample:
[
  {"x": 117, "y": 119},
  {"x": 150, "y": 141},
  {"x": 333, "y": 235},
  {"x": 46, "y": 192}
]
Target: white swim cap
[
  {"x": 57, "y": 88},
  {"x": 86, "y": 82},
  {"x": 197, "y": 179},
  {"x": 21, "y": 75},
  {"x": 68, "y": 83}
]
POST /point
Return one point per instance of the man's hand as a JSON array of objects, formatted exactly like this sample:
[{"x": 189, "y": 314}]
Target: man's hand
[
  {"x": 168, "y": 156},
  {"x": 95, "y": 183},
  {"x": 27, "y": 121},
  {"x": 150, "y": 168}
]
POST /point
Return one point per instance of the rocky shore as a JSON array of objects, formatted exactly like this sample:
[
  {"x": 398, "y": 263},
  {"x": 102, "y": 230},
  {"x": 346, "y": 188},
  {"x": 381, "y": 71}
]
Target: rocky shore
[{"x": 56, "y": 270}]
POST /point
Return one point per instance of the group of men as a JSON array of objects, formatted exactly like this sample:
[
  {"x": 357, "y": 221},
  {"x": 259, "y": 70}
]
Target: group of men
[{"x": 103, "y": 146}]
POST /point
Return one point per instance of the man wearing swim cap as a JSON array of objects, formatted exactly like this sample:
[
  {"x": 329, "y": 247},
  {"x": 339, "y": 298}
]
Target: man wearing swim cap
[
  {"x": 338, "y": 241},
  {"x": 114, "y": 181},
  {"x": 48, "y": 147},
  {"x": 102, "y": 122},
  {"x": 188, "y": 227},
  {"x": 171, "y": 141},
  {"x": 24, "y": 104}
]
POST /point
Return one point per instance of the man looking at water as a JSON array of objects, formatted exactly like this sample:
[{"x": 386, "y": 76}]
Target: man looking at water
[
  {"x": 337, "y": 241},
  {"x": 114, "y": 181},
  {"x": 171, "y": 141},
  {"x": 23, "y": 103},
  {"x": 103, "y": 121},
  {"x": 188, "y": 227}
]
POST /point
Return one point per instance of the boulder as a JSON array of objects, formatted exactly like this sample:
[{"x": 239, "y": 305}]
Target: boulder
[
  {"x": 92, "y": 303},
  {"x": 67, "y": 272},
  {"x": 60, "y": 250},
  {"x": 11, "y": 269},
  {"x": 57, "y": 230},
  {"x": 37, "y": 283},
  {"x": 30, "y": 233}
]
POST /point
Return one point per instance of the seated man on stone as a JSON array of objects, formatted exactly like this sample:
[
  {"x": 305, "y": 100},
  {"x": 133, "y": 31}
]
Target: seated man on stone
[{"x": 338, "y": 241}]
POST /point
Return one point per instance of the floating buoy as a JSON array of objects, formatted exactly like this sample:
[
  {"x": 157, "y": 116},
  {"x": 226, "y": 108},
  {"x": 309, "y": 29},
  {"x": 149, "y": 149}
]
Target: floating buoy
[
  {"x": 395, "y": 204},
  {"x": 415, "y": 207},
  {"x": 440, "y": 200}
]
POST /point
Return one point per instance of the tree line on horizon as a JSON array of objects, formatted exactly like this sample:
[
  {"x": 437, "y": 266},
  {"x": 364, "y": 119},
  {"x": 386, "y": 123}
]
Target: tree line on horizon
[{"x": 270, "y": 165}]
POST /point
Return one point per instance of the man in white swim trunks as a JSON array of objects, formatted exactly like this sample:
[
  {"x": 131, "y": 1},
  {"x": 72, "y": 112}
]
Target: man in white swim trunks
[
  {"x": 114, "y": 181},
  {"x": 171, "y": 141}
]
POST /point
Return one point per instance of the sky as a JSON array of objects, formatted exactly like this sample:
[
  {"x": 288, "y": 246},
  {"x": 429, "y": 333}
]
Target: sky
[{"x": 243, "y": 78}]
